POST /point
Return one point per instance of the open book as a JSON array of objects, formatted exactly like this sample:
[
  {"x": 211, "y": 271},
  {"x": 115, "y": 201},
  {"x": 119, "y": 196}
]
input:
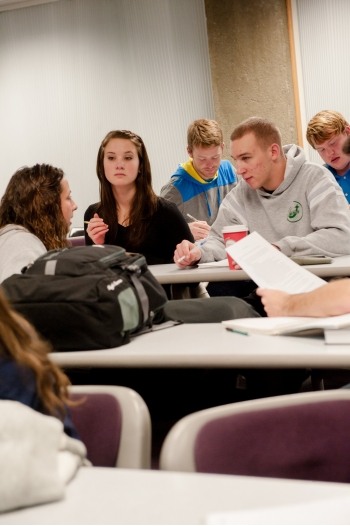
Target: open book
[{"x": 286, "y": 325}]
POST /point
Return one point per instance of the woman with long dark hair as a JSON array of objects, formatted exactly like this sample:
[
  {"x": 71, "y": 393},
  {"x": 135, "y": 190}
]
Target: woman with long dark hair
[{"x": 129, "y": 213}]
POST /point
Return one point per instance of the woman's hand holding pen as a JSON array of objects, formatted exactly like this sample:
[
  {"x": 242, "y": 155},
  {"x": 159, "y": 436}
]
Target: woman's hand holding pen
[
  {"x": 199, "y": 229},
  {"x": 186, "y": 254},
  {"x": 96, "y": 229}
]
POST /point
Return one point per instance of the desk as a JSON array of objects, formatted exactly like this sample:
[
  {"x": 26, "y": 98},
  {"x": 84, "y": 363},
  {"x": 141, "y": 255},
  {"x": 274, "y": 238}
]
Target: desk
[
  {"x": 211, "y": 345},
  {"x": 170, "y": 273},
  {"x": 118, "y": 496}
]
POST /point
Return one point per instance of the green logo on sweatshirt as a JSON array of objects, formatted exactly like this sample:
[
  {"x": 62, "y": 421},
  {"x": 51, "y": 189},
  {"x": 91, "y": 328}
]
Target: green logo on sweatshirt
[{"x": 295, "y": 212}]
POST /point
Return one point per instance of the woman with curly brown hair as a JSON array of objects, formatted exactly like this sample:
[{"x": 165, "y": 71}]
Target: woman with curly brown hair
[
  {"x": 35, "y": 216},
  {"x": 27, "y": 375}
]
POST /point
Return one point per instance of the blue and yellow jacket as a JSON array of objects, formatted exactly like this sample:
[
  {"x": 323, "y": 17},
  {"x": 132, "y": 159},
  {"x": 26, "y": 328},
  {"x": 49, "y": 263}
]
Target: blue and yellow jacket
[{"x": 197, "y": 197}]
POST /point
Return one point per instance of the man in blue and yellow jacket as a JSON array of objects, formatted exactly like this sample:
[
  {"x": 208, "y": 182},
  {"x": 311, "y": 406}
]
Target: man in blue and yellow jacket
[{"x": 200, "y": 184}]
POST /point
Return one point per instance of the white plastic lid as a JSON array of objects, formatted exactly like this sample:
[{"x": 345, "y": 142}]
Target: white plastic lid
[{"x": 234, "y": 228}]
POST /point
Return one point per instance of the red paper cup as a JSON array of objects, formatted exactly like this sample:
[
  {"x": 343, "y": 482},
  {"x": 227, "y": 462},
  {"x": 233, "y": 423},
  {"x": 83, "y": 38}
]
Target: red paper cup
[{"x": 231, "y": 234}]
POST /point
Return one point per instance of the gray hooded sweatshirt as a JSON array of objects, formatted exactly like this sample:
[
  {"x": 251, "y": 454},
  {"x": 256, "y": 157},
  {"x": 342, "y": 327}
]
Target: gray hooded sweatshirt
[
  {"x": 307, "y": 214},
  {"x": 18, "y": 248}
]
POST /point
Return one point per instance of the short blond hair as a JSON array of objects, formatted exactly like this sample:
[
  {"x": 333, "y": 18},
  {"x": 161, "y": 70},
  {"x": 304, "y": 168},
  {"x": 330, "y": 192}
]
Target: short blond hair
[
  {"x": 204, "y": 132},
  {"x": 265, "y": 131},
  {"x": 324, "y": 125}
]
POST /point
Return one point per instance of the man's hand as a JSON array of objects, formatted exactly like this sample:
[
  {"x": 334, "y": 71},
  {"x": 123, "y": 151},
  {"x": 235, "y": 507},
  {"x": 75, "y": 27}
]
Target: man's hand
[
  {"x": 276, "y": 302},
  {"x": 199, "y": 229}
]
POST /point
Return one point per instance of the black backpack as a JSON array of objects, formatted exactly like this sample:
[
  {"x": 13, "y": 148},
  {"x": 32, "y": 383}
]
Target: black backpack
[{"x": 87, "y": 297}]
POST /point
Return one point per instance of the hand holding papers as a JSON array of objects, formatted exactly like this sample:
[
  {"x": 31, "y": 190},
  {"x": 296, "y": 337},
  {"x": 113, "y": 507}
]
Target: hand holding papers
[{"x": 271, "y": 269}]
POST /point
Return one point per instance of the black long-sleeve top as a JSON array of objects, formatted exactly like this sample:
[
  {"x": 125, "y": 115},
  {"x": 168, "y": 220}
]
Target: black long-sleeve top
[{"x": 167, "y": 227}]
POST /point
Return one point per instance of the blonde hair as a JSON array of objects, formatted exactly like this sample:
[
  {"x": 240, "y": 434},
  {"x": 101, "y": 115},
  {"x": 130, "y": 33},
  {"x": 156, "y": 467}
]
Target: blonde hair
[
  {"x": 204, "y": 132},
  {"x": 324, "y": 125}
]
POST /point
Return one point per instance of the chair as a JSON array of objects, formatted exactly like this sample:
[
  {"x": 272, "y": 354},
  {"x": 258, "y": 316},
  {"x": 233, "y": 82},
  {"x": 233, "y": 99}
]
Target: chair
[
  {"x": 76, "y": 231},
  {"x": 77, "y": 241},
  {"x": 115, "y": 425},
  {"x": 298, "y": 436}
]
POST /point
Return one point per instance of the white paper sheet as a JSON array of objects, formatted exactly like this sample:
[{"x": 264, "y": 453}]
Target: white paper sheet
[
  {"x": 271, "y": 269},
  {"x": 210, "y": 264},
  {"x": 326, "y": 511}
]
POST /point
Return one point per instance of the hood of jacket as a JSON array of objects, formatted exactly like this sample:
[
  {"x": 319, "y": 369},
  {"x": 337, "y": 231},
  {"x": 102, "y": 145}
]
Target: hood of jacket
[
  {"x": 295, "y": 158},
  {"x": 186, "y": 171},
  {"x": 12, "y": 228}
]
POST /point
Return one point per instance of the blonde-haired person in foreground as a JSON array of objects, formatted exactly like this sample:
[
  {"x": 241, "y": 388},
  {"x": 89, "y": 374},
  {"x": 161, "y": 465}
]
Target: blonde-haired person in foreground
[
  {"x": 327, "y": 132},
  {"x": 27, "y": 374}
]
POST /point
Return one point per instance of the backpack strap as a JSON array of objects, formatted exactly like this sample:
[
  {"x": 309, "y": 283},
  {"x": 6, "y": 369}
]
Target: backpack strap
[{"x": 142, "y": 297}]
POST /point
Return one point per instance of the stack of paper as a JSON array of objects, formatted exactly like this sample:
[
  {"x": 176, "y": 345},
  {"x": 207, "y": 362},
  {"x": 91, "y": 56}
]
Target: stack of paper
[
  {"x": 338, "y": 336},
  {"x": 287, "y": 325}
]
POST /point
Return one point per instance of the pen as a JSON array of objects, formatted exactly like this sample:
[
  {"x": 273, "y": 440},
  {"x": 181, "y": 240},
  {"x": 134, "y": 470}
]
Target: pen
[
  {"x": 198, "y": 244},
  {"x": 191, "y": 217},
  {"x": 237, "y": 331}
]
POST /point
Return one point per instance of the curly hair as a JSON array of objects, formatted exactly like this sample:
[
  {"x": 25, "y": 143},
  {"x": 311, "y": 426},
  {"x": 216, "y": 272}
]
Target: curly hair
[
  {"x": 145, "y": 201},
  {"x": 32, "y": 199},
  {"x": 20, "y": 342}
]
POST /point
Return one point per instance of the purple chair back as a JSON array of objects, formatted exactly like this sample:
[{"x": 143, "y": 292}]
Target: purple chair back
[
  {"x": 309, "y": 441},
  {"x": 98, "y": 420},
  {"x": 77, "y": 241}
]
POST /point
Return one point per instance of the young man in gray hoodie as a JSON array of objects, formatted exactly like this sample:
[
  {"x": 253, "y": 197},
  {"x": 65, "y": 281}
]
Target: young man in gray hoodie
[
  {"x": 294, "y": 204},
  {"x": 330, "y": 300}
]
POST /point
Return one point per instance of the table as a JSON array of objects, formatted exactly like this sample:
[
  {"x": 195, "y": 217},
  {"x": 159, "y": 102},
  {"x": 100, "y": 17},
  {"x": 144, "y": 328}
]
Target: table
[
  {"x": 118, "y": 496},
  {"x": 170, "y": 273},
  {"x": 206, "y": 345}
]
